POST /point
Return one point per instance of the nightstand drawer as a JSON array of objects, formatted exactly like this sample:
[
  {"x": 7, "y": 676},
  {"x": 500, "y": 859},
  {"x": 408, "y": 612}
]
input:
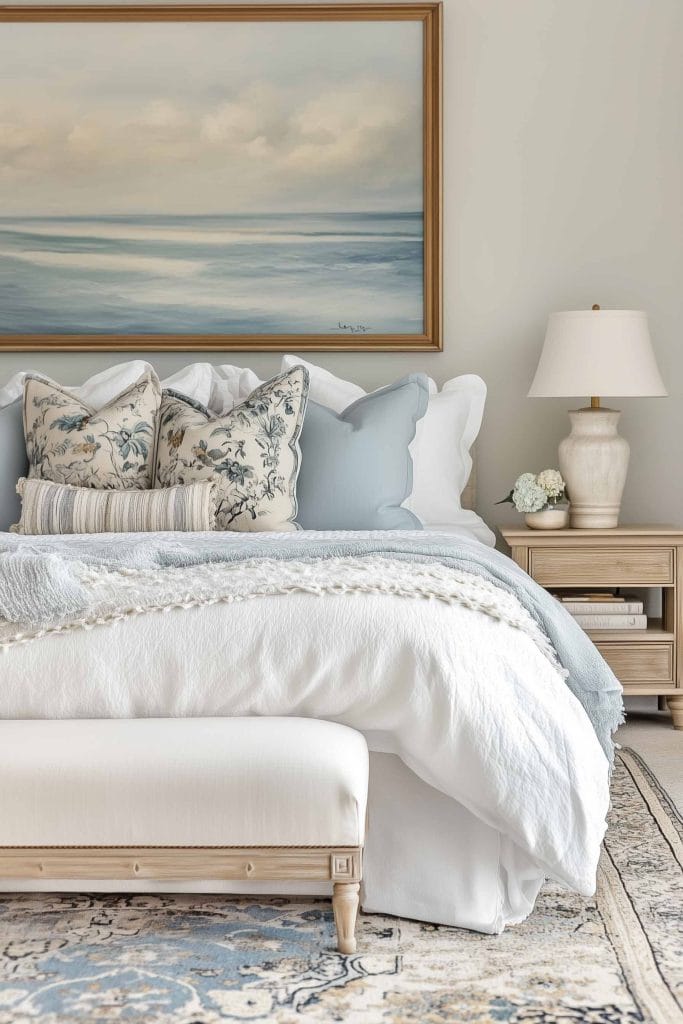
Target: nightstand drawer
[
  {"x": 602, "y": 567},
  {"x": 640, "y": 663}
]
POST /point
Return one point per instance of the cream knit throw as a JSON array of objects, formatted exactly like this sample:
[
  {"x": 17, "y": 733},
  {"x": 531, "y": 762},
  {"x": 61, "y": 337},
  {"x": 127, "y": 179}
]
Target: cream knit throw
[{"x": 114, "y": 595}]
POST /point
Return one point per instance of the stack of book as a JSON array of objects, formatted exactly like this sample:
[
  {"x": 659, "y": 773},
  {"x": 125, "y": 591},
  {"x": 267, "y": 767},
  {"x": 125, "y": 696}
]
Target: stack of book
[{"x": 604, "y": 610}]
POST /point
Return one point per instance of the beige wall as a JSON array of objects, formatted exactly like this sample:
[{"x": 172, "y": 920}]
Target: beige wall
[{"x": 563, "y": 187}]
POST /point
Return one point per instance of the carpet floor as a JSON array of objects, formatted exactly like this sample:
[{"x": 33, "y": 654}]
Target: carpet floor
[{"x": 613, "y": 959}]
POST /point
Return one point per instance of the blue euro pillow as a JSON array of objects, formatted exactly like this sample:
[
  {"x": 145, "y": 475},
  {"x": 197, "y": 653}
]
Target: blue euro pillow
[
  {"x": 13, "y": 462},
  {"x": 356, "y": 468}
]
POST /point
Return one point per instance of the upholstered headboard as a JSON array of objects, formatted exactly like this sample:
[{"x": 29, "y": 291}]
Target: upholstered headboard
[{"x": 469, "y": 495}]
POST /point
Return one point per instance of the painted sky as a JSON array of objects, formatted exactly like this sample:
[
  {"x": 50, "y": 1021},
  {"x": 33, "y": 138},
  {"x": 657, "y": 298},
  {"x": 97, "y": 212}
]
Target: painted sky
[{"x": 204, "y": 118}]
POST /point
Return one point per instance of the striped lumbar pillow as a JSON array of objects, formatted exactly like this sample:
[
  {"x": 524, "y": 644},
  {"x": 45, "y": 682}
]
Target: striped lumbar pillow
[{"x": 60, "y": 508}]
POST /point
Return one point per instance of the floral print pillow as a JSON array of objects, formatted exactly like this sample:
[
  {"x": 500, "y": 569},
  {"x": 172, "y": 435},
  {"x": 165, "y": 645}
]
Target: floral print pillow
[
  {"x": 69, "y": 442},
  {"x": 251, "y": 452}
]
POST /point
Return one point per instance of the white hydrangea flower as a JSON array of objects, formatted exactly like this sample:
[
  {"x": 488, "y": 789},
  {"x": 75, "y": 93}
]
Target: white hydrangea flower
[
  {"x": 527, "y": 496},
  {"x": 552, "y": 483}
]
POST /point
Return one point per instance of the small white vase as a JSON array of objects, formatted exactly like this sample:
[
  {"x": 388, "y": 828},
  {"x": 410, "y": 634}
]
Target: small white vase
[{"x": 548, "y": 519}]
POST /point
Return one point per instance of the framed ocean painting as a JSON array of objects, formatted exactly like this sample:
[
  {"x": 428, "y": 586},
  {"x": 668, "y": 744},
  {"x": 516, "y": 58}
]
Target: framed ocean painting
[{"x": 220, "y": 177}]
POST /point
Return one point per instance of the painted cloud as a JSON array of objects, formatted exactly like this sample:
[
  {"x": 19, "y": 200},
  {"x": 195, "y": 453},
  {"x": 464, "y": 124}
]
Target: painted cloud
[{"x": 212, "y": 116}]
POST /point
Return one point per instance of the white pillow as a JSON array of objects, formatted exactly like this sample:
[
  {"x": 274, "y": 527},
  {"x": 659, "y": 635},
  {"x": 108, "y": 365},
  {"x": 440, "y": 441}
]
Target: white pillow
[
  {"x": 326, "y": 389},
  {"x": 194, "y": 381},
  {"x": 441, "y": 449},
  {"x": 232, "y": 385},
  {"x": 217, "y": 388}
]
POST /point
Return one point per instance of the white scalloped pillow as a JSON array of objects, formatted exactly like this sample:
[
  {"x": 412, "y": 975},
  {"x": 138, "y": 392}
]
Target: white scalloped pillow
[{"x": 440, "y": 451}]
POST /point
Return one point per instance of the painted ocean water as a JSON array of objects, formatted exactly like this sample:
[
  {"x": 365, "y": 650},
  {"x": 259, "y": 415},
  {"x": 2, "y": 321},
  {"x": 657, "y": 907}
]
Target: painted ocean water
[{"x": 256, "y": 274}]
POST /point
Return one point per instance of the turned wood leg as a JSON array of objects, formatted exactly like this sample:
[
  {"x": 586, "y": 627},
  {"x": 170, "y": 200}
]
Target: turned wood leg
[
  {"x": 345, "y": 905},
  {"x": 676, "y": 709}
]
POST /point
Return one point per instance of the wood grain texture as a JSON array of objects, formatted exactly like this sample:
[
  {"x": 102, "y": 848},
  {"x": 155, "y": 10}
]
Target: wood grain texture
[
  {"x": 652, "y": 635},
  {"x": 640, "y": 663},
  {"x": 647, "y": 662},
  {"x": 650, "y": 690},
  {"x": 182, "y": 863},
  {"x": 430, "y": 15},
  {"x": 568, "y": 537},
  {"x": 341, "y": 865},
  {"x": 519, "y": 553},
  {"x": 676, "y": 709},
  {"x": 345, "y": 902},
  {"x": 216, "y": 12},
  {"x": 218, "y": 343},
  {"x": 605, "y": 567}
]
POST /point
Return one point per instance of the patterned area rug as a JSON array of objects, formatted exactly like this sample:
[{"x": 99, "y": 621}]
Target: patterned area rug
[{"x": 616, "y": 959}]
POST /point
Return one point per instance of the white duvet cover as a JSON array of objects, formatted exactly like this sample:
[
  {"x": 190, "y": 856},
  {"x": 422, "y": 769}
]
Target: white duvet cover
[{"x": 496, "y": 780}]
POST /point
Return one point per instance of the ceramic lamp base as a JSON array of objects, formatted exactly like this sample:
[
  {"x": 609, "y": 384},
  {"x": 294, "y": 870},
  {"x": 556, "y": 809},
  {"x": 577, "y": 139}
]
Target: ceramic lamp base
[
  {"x": 594, "y": 463},
  {"x": 595, "y": 517}
]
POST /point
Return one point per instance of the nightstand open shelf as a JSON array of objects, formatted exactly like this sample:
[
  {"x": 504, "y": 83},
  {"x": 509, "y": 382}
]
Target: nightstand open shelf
[
  {"x": 646, "y": 661},
  {"x": 653, "y": 634}
]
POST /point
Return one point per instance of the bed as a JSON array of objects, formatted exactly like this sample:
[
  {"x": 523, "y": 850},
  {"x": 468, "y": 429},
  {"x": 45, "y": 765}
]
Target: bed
[
  {"x": 487, "y": 774},
  {"x": 487, "y": 711}
]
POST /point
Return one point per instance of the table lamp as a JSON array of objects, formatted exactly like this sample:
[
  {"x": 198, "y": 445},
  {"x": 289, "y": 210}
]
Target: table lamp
[{"x": 598, "y": 352}]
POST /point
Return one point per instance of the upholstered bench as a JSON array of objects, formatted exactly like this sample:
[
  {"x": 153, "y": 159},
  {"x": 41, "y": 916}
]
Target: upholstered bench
[{"x": 186, "y": 799}]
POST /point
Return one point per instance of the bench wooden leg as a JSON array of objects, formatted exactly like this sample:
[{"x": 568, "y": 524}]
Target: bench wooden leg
[{"x": 345, "y": 906}]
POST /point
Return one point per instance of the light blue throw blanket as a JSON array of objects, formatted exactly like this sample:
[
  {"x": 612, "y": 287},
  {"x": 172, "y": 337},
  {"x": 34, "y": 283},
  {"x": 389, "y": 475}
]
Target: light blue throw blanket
[{"x": 38, "y": 584}]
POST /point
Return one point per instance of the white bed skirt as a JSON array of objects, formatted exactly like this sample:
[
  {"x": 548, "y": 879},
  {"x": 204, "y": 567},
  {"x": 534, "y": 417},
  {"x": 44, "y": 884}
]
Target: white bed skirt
[{"x": 426, "y": 857}]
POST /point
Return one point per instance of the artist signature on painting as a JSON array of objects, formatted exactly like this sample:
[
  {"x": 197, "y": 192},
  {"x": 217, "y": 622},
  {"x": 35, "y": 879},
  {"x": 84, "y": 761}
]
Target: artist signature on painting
[{"x": 351, "y": 328}]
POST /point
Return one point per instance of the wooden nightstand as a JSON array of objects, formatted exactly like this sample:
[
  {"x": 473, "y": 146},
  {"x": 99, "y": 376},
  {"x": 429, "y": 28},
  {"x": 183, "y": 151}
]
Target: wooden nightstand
[{"x": 645, "y": 661}]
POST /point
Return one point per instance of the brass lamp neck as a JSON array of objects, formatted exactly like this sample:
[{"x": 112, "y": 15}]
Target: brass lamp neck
[{"x": 595, "y": 402}]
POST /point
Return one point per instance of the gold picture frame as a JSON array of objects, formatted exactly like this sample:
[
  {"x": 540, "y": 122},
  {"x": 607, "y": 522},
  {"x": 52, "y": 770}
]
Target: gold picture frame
[{"x": 346, "y": 335}]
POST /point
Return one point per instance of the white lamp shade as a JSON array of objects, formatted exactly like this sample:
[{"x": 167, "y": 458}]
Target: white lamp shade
[{"x": 604, "y": 352}]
